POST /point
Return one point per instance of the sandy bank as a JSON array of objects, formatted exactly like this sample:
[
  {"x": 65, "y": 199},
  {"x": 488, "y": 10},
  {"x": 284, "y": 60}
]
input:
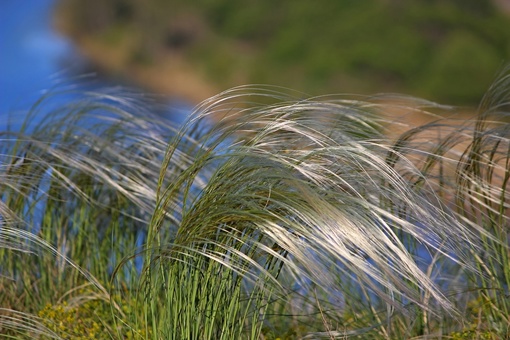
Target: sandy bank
[{"x": 168, "y": 74}]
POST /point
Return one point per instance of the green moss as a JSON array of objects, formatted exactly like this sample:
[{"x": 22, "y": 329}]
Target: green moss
[{"x": 94, "y": 319}]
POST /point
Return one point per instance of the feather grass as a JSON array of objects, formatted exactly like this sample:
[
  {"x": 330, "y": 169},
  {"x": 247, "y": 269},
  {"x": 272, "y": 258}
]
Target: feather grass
[{"x": 287, "y": 217}]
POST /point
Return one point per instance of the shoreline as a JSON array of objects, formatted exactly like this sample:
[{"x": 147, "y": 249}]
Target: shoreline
[{"x": 169, "y": 74}]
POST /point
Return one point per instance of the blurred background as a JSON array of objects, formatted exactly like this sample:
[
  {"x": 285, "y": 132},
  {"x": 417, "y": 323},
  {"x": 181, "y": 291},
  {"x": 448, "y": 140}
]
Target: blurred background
[{"x": 443, "y": 50}]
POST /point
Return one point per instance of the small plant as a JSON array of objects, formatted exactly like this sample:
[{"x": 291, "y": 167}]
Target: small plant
[{"x": 94, "y": 319}]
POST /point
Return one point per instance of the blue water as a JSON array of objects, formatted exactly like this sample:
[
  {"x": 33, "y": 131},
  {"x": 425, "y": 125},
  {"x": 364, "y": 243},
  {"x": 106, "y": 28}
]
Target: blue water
[
  {"x": 32, "y": 54},
  {"x": 35, "y": 59}
]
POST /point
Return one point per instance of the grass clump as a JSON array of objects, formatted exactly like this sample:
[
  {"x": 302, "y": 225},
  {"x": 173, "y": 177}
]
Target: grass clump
[{"x": 286, "y": 218}]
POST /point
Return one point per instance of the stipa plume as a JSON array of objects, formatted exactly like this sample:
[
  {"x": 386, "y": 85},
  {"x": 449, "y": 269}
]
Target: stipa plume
[
  {"x": 267, "y": 215},
  {"x": 311, "y": 194},
  {"x": 70, "y": 177}
]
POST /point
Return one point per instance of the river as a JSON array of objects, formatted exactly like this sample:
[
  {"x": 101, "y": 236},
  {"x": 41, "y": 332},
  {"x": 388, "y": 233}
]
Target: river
[{"x": 35, "y": 59}]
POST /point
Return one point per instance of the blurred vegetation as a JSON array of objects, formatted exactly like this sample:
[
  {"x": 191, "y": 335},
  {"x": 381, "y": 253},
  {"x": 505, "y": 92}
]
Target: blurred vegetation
[{"x": 445, "y": 50}]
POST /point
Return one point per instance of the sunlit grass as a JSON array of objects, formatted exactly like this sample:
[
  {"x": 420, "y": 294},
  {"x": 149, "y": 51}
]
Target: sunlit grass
[{"x": 285, "y": 218}]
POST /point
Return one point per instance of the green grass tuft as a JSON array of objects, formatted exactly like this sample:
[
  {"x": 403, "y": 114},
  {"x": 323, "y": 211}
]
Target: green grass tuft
[{"x": 286, "y": 218}]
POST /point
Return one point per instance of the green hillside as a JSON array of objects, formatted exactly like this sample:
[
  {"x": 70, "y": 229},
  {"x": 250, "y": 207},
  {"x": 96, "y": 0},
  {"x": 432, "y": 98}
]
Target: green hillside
[{"x": 446, "y": 50}]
